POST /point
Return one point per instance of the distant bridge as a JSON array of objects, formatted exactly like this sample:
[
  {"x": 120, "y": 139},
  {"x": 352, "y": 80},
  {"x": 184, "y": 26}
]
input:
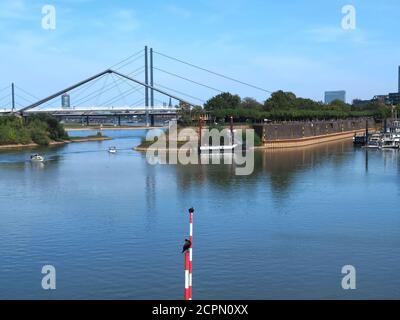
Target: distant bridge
[
  {"x": 79, "y": 106},
  {"x": 118, "y": 113}
]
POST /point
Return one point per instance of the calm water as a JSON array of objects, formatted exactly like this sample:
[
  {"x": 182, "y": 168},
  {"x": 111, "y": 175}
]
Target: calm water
[{"x": 113, "y": 226}]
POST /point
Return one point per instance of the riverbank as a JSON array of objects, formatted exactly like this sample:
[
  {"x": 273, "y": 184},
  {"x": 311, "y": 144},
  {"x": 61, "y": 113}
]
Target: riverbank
[
  {"x": 97, "y": 128},
  {"x": 86, "y": 139},
  {"x": 301, "y": 142},
  {"x": 147, "y": 146},
  {"x": 53, "y": 143},
  {"x": 279, "y": 143}
]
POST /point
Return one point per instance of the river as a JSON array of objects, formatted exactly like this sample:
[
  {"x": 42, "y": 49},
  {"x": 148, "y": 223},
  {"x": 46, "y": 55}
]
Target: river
[{"x": 113, "y": 225}]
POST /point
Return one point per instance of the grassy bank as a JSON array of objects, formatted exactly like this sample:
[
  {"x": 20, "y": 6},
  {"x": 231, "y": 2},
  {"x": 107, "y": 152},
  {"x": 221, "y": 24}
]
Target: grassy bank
[{"x": 147, "y": 144}]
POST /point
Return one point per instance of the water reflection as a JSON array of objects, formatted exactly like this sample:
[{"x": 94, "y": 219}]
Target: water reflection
[
  {"x": 296, "y": 220},
  {"x": 278, "y": 166}
]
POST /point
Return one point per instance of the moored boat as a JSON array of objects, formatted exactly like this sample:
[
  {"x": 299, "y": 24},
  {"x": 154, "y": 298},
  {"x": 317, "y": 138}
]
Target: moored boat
[
  {"x": 389, "y": 141},
  {"x": 222, "y": 148},
  {"x": 374, "y": 141}
]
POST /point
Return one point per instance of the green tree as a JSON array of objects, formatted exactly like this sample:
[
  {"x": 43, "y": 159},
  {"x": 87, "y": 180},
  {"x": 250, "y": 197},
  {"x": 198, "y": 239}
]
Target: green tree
[
  {"x": 280, "y": 100},
  {"x": 223, "y": 101},
  {"x": 251, "y": 104},
  {"x": 340, "y": 105}
]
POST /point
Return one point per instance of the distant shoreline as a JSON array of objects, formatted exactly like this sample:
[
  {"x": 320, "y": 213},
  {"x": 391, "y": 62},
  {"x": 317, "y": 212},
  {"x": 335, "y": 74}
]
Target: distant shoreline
[
  {"x": 110, "y": 128},
  {"x": 53, "y": 143}
]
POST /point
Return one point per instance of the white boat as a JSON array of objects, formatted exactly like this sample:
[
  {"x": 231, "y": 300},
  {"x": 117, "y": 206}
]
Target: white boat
[
  {"x": 112, "y": 150},
  {"x": 390, "y": 141},
  {"x": 218, "y": 148},
  {"x": 37, "y": 158},
  {"x": 374, "y": 142}
]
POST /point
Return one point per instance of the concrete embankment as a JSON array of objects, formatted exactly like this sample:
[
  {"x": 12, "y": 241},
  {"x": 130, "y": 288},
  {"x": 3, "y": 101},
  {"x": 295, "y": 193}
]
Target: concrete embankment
[
  {"x": 307, "y": 141},
  {"x": 304, "y": 133},
  {"x": 301, "y": 133}
]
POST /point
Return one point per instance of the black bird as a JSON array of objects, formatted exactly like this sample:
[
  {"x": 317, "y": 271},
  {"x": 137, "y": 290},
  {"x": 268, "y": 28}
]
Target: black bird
[{"x": 186, "y": 246}]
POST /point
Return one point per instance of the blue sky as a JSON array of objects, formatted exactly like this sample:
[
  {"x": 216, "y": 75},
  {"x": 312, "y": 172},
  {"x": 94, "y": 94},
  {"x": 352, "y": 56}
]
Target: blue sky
[{"x": 292, "y": 45}]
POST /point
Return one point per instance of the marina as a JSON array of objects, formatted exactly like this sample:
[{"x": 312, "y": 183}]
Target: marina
[{"x": 388, "y": 138}]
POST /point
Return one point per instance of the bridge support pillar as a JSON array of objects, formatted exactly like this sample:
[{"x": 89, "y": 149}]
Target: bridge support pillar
[
  {"x": 87, "y": 120},
  {"x": 152, "y": 120},
  {"x": 119, "y": 121}
]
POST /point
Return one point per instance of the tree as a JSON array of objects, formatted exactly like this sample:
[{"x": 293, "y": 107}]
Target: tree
[
  {"x": 280, "y": 100},
  {"x": 250, "y": 104},
  {"x": 187, "y": 115},
  {"x": 339, "y": 104},
  {"x": 223, "y": 101}
]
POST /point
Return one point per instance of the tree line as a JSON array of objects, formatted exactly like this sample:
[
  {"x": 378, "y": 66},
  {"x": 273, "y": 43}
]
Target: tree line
[
  {"x": 40, "y": 129},
  {"x": 282, "y": 106}
]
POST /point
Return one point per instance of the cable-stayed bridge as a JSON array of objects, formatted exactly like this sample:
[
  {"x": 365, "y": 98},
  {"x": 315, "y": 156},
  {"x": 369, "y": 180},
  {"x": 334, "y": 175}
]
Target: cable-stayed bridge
[{"x": 122, "y": 90}]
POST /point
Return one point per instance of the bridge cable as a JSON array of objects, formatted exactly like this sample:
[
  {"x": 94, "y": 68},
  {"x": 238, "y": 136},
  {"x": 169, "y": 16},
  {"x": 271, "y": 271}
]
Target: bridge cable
[
  {"x": 101, "y": 92},
  {"x": 83, "y": 88},
  {"x": 138, "y": 102},
  {"x": 79, "y": 91},
  {"x": 18, "y": 104},
  {"x": 119, "y": 90},
  {"x": 86, "y": 87},
  {"x": 126, "y": 59},
  {"x": 131, "y": 90},
  {"x": 26, "y": 92},
  {"x": 23, "y": 98},
  {"x": 5, "y": 88},
  {"x": 128, "y": 63},
  {"x": 6, "y": 96},
  {"x": 179, "y": 92},
  {"x": 109, "y": 87},
  {"x": 127, "y": 93},
  {"x": 186, "y": 79},
  {"x": 213, "y": 72},
  {"x": 89, "y": 96}
]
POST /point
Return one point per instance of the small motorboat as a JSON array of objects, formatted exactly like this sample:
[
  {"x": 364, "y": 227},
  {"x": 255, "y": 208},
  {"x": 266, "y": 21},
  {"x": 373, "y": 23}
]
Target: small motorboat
[
  {"x": 112, "y": 150},
  {"x": 37, "y": 158},
  {"x": 374, "y": 141},
  {"x": 389, "y": 142}
]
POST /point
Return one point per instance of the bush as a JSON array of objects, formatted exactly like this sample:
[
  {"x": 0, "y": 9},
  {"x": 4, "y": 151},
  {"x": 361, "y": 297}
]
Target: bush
[
  {"x": 12, "y": 131},
  {"x": 40, "y": 137},
  {"x": 55, "y": 129}
]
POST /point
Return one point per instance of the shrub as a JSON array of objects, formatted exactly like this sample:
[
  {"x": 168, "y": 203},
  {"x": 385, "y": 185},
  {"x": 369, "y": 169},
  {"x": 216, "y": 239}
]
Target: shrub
[{"x": 40, "y": 136}]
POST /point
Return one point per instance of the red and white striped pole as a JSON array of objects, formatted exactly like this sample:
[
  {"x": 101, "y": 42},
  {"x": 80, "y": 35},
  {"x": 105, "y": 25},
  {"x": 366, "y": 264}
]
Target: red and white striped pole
[
  {"x": 191, "y": 210},
  {"x": 186, "y": 275}
]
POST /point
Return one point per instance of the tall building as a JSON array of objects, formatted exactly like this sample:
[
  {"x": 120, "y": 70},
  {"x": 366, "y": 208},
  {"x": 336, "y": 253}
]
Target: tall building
[
  {"x": 394, "y": 98},
  {"x": 335, "y": 95},
  {"x": 65, "y": 101}
]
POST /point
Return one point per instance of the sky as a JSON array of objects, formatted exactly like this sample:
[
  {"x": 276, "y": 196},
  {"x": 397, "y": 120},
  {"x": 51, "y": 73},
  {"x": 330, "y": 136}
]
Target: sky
[{"x": 297, "y": 46}]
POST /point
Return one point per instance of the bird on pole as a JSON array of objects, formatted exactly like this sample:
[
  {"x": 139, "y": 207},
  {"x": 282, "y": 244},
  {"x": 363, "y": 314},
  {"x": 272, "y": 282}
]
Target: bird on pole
[{"x": 186, "y": 246}]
